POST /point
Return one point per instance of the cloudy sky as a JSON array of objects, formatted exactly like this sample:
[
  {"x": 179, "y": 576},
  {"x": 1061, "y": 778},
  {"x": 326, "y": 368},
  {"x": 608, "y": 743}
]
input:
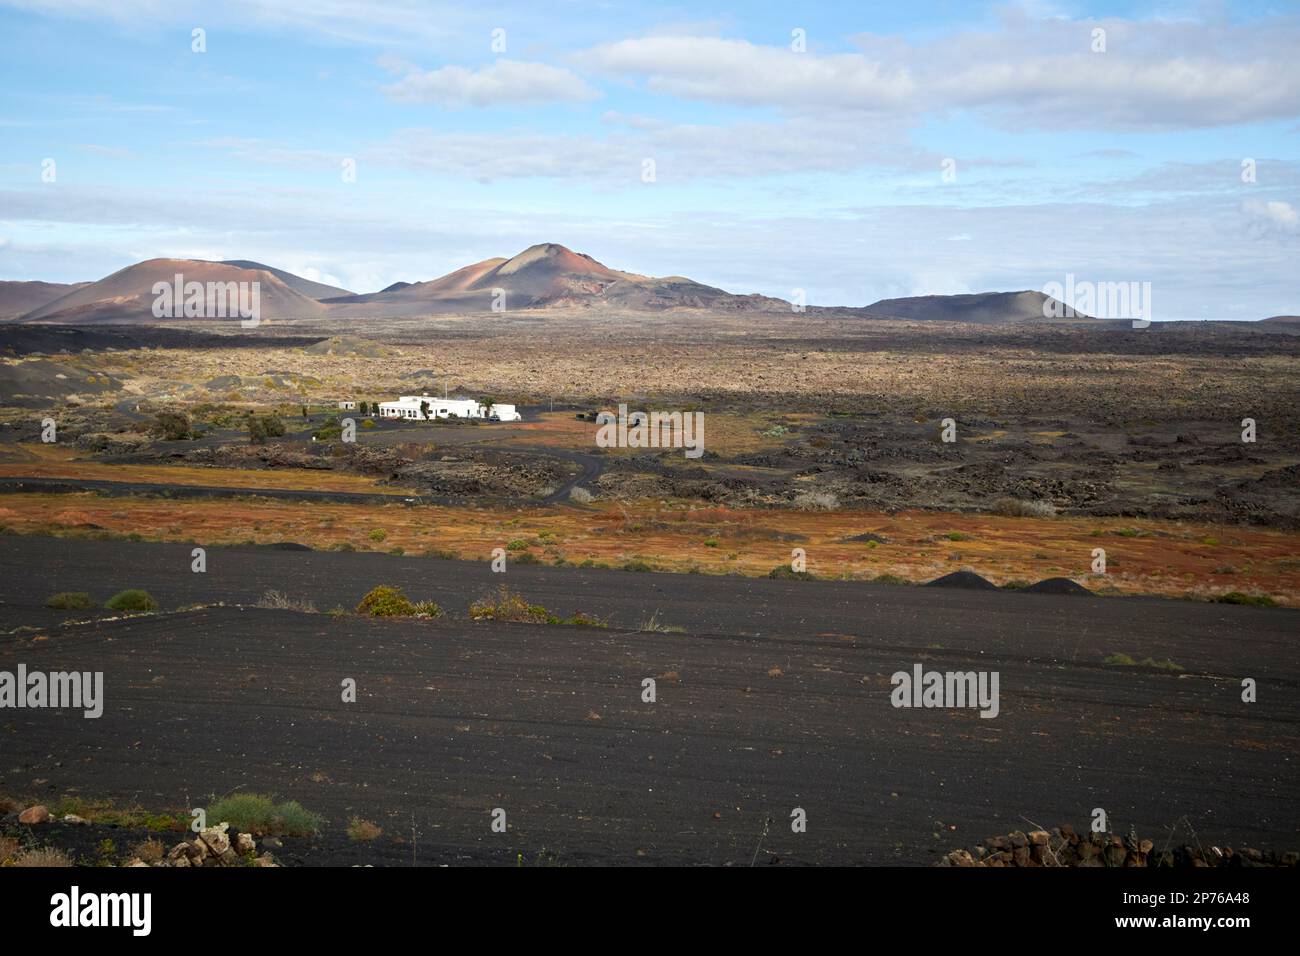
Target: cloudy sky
[{"x": 855, "y": 150}]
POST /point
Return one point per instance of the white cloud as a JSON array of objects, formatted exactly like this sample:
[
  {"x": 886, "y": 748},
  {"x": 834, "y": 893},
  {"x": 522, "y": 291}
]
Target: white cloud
[
  {"x": 1272, "y": 215},
  {"x": 737, "y": 71},
  {"x": 500, "y": 83},
  {"x": 1042, "y": 73}
]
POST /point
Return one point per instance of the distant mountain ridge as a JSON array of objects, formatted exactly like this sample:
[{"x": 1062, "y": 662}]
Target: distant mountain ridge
[{"x": 543, "y": 276}]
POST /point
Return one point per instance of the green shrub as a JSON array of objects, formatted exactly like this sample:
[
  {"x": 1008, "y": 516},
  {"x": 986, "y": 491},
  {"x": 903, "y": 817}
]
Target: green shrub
[
  {"x": 70, "y": 601},
  {"x": 1240, "y": 597},
  {"x": 132, "y": 599},
  {"x": 428, "y": 609},
  {"x": 386, "y": 601},
  {"x": 172, "y": 426},
  {"x": 787, "y": 572},
  {"x": 262, "y": 427},
  {"x": 508, "y": 606},
  {"x": 260, "y": 815},
  {"x": 379, "y": 534}
]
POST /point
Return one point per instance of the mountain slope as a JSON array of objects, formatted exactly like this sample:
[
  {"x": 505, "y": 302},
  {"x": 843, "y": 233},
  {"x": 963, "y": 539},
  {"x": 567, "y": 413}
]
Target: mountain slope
[
  {"x": 127, "y": 295},
  {"x": 19, "y": 298},
  {"x": 980, "y": 308},
  {"x": 308, "y": 287}
]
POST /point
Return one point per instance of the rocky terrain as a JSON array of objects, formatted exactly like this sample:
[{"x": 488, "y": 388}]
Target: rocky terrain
[{"x": 1063, "y": 846}]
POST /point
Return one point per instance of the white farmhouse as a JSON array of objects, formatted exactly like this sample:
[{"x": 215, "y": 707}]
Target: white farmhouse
[{"x": 429, "y": 408}]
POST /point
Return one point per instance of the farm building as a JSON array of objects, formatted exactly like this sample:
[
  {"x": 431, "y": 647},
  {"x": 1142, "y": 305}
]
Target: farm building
[
  {"x": 347, "y": 406},
  {"x": 428, "y": 408}
]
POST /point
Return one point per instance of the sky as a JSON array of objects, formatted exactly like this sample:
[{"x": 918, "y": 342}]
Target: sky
[{"x": 855, "y": 151}]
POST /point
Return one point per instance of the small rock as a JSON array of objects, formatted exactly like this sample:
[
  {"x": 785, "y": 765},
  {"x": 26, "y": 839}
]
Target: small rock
[
  {"x": 75, "y": 820},
  {"x": 36, "y": 814},
  {"x": 244, "y": 843},
  {"x": 216, "y": 839}
]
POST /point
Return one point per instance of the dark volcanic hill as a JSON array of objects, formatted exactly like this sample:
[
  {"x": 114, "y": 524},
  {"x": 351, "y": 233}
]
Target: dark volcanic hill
[{"x": 981, "y": 308}]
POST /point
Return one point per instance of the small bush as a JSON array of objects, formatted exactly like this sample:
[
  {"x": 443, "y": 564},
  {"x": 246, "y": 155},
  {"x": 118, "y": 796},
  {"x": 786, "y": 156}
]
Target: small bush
[
  {"x": 581, "y": 495},
  {"x": 172, "y": 426},
  {"x": 816, "y": 501},
  {"x": 428, "y": 609},
  {"x": 653, "y": 624},
  {"x": 70, "y": 601},
  {"x": 260, "y": 815},
  {"x": 262, "y": 427},
  {"x": 359, "y": 830},
  {"x": 277, "y": 600},
  {"x": 586, "y": 620},
  {"x": 1240, "y": 597},
  {"x": 518, "y": 544},
  {"x": 150, "y": 851},
  {"x": 890, "y": 579},
  {"x": 1016, "y": 508},
  {"x": 638, "y": 565},
  {"x": 379, "y": 534},
  {"x": 508, "y": 605},
  {"x": 43, "y": 857},
  {"x": 386, "y": 601},
  {"x": 784, "y": 571},
  {"x": 132, "y": 599}
]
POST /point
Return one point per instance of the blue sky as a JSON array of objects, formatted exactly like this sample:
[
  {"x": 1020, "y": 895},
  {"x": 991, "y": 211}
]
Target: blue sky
[{"x": 775, "y": 168}]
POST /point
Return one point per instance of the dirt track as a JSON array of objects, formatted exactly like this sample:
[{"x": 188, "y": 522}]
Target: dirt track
[{"x": 778, "y": 698}]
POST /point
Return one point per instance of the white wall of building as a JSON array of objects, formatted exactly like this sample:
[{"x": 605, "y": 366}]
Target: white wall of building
[{"x": 413, "y": 408}]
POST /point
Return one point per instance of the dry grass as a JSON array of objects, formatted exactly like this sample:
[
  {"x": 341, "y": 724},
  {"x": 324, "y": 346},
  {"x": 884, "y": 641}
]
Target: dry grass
[
  {"x": 41, "y": 857},
  {"x": 1143, "y": 556},
  {"x": 150, "y": 851},
  {"x": 68, "y": 466},
  {"x": 360, "y": 830},
  {"x": 277, "y": 600}
]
